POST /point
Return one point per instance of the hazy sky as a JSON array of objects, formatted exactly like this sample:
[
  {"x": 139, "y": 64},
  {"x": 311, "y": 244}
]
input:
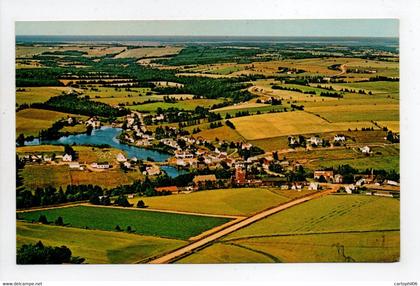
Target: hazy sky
[{"x": 345, "y": 28}]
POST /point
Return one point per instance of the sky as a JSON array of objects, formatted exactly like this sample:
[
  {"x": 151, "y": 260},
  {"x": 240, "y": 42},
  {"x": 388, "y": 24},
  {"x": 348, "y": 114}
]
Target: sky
[{"x": 286, "y": 28}]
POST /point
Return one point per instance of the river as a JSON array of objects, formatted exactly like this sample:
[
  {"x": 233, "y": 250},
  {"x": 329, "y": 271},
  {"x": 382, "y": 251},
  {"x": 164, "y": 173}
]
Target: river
[{"x": 108, "y": 135}]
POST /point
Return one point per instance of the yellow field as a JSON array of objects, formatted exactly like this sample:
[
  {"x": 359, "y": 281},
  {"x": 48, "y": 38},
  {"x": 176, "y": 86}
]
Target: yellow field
[
  {"x": 288, "y": 123},
  {"x": 222, "y": 133},
  {"x": 96, "y": 246},
  {"x": 149, "y": 52},
  {"x": 223, "y": 201},
  {"x": 394, "y": 126},
  {"x": 61, "y": 175},
  {"x": 39, "y": 94},
  {"x": 30, "y": 121},
  {"x": 240, "y": 106}
]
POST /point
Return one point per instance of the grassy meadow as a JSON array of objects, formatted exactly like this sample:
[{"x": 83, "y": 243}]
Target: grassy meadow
[
  {"x": 96, "y": 246},
  {"x": 169, "y": 225},
  {"x": 223, "y": 201}
]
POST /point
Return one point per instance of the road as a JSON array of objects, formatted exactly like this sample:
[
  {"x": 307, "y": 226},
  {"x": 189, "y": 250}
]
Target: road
[{"x": 240, "y": 224}]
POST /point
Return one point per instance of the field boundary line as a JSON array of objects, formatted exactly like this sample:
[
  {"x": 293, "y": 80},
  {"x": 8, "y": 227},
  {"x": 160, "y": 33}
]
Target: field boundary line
[
  {"x": 309, "y": 233},
  {"x": 188, "y": 249},
  {"x": 164, "y": 211}
]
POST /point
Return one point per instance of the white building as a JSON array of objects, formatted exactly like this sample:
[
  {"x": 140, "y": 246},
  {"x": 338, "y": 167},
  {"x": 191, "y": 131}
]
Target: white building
[
  {"x": 313, "y": 186},
  {"x": 315, "y": 140},
  {"x": 121, "y": 158},
  {"x": 103, "y": 165},
  {"x": 339, "y": 138},
  {"x": 365, "y": 150},
  {"x": 67, "y": 158}
]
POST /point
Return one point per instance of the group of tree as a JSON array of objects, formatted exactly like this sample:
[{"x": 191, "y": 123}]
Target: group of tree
[
  {"x": 40, "y": 254},
  {"x": 72, "y": 103},
  {"x": 51, "y": 196}
]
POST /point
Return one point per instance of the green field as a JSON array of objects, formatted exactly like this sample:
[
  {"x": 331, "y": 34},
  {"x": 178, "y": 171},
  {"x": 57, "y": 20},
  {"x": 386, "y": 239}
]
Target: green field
[
  {"x": 374, "y": 86},
  {"x": 189, "y": 104},
  {"x": 30, "y": 121},
  {"x": 380, "y": 246},
  {"x": 61, "y": 175},
  {"x": 345, "y": 113},
  {"x": 170, "y": 225},
  {"x": 331, "y": 213},
  {"x": 39, "y": 94},
  {"x": 96, "y": 246},
  {"x": 336, "y": 228},
  {"x": 242, "y": 201}
]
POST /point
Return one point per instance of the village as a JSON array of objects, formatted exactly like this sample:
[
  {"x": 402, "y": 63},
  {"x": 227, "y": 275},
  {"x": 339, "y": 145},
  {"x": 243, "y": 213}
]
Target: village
[{"x": 221, "y": 164}]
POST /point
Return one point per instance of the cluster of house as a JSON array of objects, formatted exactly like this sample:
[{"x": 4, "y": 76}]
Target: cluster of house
[
  {"x": 315, "y": 141},
  {"x": 93, "y": 121},
  {"x": 136, "y": 132}
]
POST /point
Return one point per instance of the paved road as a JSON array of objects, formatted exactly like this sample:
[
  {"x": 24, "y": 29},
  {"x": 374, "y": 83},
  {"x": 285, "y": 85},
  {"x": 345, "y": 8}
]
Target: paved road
[{"x": 199, "y": 243}]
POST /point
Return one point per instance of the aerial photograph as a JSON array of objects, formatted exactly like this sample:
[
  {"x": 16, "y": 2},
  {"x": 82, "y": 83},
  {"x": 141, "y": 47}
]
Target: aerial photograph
[{"x": 202, "y": 142}]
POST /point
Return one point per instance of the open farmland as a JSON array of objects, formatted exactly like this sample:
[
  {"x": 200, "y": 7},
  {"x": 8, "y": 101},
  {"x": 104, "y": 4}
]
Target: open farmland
[
  {"x": 188, "y": 104},
  {"x": 61, "y": 175},
  {"x": 96, "y": 246},
  {"x": 288, "y": 123},
  {"x": 149, "y": 52},
  {"x": 338, "y": 213},
  {"x": 221, "y": 132},
  {"x": 31, "y": 95},
  {"x": 331, "y": 229},
  {"x": 345, "y": 113},
  {"x": 30, "y": 121},
  {"x": 208, "y": 149},
  {"x": 170, "y": 225},
  {"x": 224, "y": 201},
  {"x": 337, "y": 247}
]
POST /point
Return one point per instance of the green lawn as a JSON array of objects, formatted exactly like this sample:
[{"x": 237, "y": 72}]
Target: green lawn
[
  {"x": 243, "y": 201},
  {"x": 179, "y": 226},
  {"x": 96, "y": 246}
]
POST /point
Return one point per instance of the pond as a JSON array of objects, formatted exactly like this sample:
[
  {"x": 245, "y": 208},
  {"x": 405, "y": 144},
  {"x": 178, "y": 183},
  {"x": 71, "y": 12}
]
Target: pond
[{"x": 108, "y": 135}]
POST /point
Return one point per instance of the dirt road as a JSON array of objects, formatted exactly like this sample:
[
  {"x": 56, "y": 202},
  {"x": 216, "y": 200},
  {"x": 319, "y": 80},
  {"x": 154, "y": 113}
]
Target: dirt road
[{"x": 201, "y": 242}]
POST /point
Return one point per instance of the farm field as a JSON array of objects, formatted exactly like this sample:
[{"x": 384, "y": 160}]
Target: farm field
[
  {"x": 30, "y": 121},
  {"x": 189, "y": 104},
  {"x": 169, "y": 225},
  {"x": 337, "y": 247},
  {"x": 149, "y": 52},
  {"x": 221, "y": 132},
  {"x": 343, "y": 113},
  {"x": 288, "y": 123},
  {"x": 337, "y": 213},
  {"x": 96, "y": 246},
  {"x": 38, "y": 94},
  {"x": 335, "y": 228},
  {"x": 61, "y": 175},
  {"x": 223, "y": 201}
]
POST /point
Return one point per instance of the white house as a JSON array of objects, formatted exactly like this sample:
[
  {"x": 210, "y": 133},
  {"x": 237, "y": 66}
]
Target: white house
[
  {"x": 103, "y": 165},
  {"x": 121, "y": 158},
  {"x": 349, "y": 189},
  {"x": 67, "y": 158},
  {"x": 127, "y": 165},
  {"x": 339, "y": 138},
  {"x": 313, "y": 186},
  {"x": 315, "y": 140},
  {"x": 365, "y": 150},
  {"x": 183, "y": 155},
  {"x": 74, "y": 165}
]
